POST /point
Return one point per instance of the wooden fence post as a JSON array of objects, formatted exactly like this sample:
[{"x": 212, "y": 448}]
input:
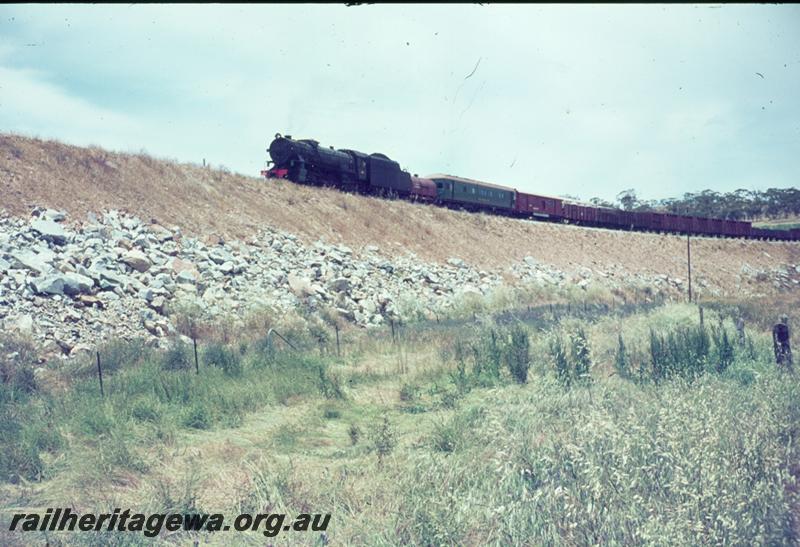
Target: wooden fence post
[{"x": 740, "y": 330}]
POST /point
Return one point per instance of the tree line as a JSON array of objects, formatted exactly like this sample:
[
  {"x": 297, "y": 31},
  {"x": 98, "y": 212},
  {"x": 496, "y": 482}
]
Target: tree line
[{"x": 774, "y": 203}]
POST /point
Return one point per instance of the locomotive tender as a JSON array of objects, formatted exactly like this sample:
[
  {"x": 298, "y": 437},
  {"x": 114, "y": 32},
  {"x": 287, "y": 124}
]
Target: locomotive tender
[{"x": 305, "y": 161}]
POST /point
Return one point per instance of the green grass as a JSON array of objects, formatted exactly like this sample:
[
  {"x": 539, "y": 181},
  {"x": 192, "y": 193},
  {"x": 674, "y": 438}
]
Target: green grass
[
  {"x": 777, "y": 225},
  {"x": 676, "y": 464},
  {"x": 464, "y": 432}
]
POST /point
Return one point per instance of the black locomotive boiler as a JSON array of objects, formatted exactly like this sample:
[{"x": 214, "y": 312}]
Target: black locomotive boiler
[{"x": 305, "y": 161}]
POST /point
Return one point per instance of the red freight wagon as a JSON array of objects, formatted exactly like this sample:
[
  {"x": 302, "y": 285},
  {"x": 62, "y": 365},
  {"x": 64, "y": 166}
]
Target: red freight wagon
[
  {"x": 572, "y": 211},
  {"x": 655, "y": 221},
  {"x": 538, "y": 206},
  {"x": 589, "y": 214},
  {"x": 669, "y": 222},
  {"x": 729, "y": 227},
  {"x": 608, "y": 217},
  {"x": 580, "y": 213},
  {"x": 641, "y": 220},
  {"x": 742, "y": 227}
]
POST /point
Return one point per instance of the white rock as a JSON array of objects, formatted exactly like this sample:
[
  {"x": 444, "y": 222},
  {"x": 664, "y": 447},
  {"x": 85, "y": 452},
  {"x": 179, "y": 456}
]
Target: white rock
[
  {"x": 23, "y": 324},
  {"x": 29, "y": 260},
  {"x": 50, "y": 231},
  {"x": 137, "y": 260},
  {"x": 51, "y": 284},
  {"x": 75, "y": 283},
  {"x": 300, "y": 286},
  {"x": 185, "y": 277}
]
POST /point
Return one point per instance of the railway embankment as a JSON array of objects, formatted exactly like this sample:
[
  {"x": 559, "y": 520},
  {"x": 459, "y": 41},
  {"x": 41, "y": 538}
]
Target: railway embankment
[{"x": 97, "y": 244}]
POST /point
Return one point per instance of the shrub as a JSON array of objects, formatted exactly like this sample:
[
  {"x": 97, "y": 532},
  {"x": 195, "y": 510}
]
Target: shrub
[
  {"x": 145, "y": 409},
  {"x": 724, "y": 348},
  {"x": 622, "y": 361},
  {"x": 355, "y": 433},
  {"x": 198, "y": 416},
  {"x": 16, "y": 355},
  {"x": 178, "y": 357},
  {"x": 683, "y": 352},
  {"x": 383, "y": 439},
  {"x": 444, "y": 437},
  {"x": 330, "y": 384},
  {"x": 559, "y": 354},
  {"x": 409, "y": 392},
  {"x": 223, "y": 357},
  {"x": 24, "y": 380},
  {"x": 494, "y": 353},
  {"x": 449, "y": 399},
  {"x": 460, "y": 378},
  {"x": 581, "y": 356},
  {"x": 517, "y": 354},
  {"x": 185, "y": 316},
  {"x": 331, "y": 413},
  {"x": 116, "y": 354}
]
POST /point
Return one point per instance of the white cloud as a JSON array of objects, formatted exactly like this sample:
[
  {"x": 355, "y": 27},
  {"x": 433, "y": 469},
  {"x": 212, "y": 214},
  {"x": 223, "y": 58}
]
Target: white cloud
[
  {"x": 588, "y": 100},
  {"x": 26, "y": 100}
]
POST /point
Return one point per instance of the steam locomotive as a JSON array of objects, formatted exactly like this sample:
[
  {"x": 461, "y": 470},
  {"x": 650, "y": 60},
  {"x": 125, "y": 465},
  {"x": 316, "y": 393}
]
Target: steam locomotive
[{"x": 304, "y": 161}]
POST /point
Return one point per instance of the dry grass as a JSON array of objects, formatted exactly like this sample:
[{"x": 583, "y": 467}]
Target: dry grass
[
  {"x": 207, "y": 202},
  {"x": 504, "y": 463}
]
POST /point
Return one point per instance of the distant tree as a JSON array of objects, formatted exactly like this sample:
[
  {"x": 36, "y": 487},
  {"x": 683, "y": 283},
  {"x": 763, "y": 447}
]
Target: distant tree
[
  {"x": 627, "y": 199},
  {"x": 601, "y": 202},
  {"x": 739, "y": 204}
]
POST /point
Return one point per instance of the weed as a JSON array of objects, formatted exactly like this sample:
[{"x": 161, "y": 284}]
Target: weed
[
  {"x": 330, "y": 413},
  {"x": 724, "y": 348},
  {"x": 444, "y": 437},
  {"x": 355, "y": 434},
  {"x": 177, "y": 357},
  {"x": 330, "y": 384},
  {"x": 383, "y": 439},
  {"x": 518, "y": 354},
  {"x": 581, "y": 356},
  {"x": 409, "y": 392},
  {"x": 223, "y": 357},
  {"x": 116, "y": 354},
  {"x": 198, "y": 416},
  {"x": 622, "y": 361},
  {"x": 559, "y": 354}
]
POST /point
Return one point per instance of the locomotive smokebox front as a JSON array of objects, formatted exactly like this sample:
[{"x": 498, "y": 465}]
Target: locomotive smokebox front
[{"x": 281, "y": 150}]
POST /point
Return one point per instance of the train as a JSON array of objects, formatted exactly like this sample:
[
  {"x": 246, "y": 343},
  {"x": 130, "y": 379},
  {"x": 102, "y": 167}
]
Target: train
[{"x": 304, "y": 161}]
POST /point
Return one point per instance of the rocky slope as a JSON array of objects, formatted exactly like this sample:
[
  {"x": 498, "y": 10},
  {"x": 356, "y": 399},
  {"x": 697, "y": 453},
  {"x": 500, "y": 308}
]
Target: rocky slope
[{"x": 74, "y": 286}]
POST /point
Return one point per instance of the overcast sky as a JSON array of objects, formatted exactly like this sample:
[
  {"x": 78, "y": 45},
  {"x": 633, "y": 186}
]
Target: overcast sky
[{"x": 566, "y": 99}]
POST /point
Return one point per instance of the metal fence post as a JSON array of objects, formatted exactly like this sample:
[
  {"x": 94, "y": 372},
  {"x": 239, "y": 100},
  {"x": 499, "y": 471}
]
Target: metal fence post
[
  {"x": 196, "y": 364},
  {"x": 100, "y": 375}
]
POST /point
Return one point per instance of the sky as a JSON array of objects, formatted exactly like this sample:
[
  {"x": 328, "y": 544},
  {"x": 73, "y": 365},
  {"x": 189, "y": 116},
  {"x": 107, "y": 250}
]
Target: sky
[{"x": 581, "y": 100}]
